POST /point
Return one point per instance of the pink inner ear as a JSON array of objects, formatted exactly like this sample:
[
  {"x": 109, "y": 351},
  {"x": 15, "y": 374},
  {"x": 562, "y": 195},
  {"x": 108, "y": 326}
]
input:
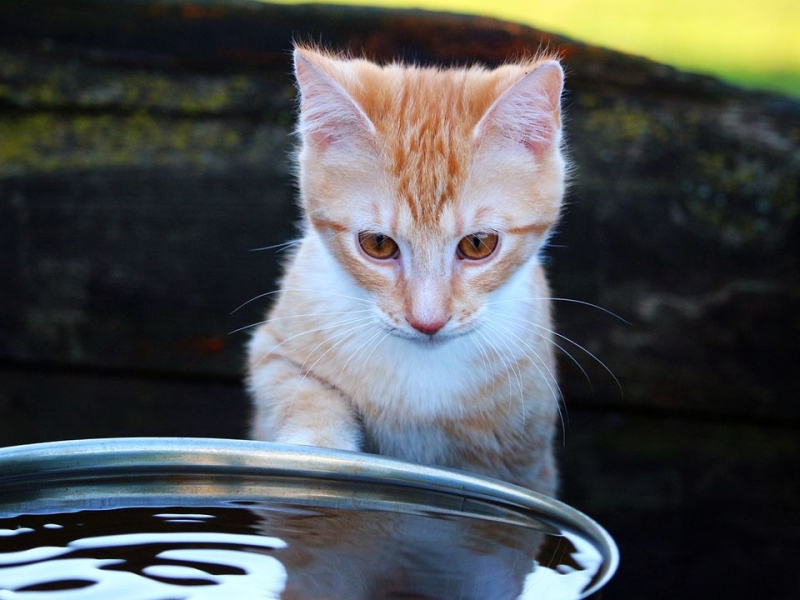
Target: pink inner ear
[
  {"x": 529, "y": 112},
  {"x": 328, "y": 113}
]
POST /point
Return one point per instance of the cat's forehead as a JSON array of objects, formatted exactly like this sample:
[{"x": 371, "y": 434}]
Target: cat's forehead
[
  {"x": 416, "y": 155},
  {"x": 447, "y": 222},
  {"x": 425, "y": 119}
]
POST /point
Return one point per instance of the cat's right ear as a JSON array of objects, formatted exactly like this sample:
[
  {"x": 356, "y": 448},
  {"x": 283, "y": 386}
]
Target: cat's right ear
[
  {"x": 328, "y": 114},
  {"x": 529, "y": 112}
]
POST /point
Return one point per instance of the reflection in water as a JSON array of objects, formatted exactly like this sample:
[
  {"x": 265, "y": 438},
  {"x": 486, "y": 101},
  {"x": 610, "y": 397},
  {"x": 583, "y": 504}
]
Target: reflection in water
[
  {"x": 286, "y": 553},
  {"x": 372, "y": 555},
  {"x": 564, "y": 582},
  {"x": 69, "y": 577}
]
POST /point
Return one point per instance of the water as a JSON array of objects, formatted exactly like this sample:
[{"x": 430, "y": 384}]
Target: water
[{"x": 241, "y": 551}]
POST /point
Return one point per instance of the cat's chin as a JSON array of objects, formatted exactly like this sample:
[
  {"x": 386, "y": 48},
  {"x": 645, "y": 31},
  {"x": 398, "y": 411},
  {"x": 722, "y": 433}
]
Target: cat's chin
[{"x": 423, "y": 340}]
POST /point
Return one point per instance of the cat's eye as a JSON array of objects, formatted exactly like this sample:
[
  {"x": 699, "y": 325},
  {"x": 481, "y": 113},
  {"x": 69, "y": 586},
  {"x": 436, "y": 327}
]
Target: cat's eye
[
  {"x": 377, "y": 245},
  {"x": 477, "y": 246}
]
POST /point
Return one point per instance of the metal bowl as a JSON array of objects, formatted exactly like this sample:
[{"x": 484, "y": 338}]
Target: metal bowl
[{"x": 45, "y": 480}]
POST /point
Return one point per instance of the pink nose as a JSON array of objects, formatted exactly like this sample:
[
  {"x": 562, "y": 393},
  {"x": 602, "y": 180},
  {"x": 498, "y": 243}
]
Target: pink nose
[{"x": 428, "y": 327}]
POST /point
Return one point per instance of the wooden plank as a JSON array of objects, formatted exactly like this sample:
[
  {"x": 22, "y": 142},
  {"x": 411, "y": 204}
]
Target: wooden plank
[
  {"x": 138, "y": 269},
  {"x": 50, "y": 405},
  {"x": 145, "y": 152},
  {"x": 698, "y": 509}
]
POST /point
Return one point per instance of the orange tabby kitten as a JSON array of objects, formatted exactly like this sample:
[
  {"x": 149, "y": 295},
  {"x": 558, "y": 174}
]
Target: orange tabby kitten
[{"x": 413, "y": 319}]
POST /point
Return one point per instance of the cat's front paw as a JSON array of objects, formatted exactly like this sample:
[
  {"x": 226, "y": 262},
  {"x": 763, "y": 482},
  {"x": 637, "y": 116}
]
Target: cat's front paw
[{"x": 338, "y": 440}]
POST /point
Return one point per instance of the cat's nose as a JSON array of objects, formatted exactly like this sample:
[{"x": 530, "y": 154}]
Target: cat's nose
[
  {"x": 427, "y": 303},
  {"x": 427, "y": 327}
]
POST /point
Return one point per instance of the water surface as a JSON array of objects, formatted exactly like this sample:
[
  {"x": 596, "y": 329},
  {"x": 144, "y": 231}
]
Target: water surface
[{"x": 267, "y": 551}]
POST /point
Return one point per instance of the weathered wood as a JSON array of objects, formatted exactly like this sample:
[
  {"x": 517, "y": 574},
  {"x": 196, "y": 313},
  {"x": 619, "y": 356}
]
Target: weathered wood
[
  {"x": 143, "y": 154},
  {"x": 699, "y": 509},
  {"x": 48, "y": 405},
  {"x": 125, "y": 270}
]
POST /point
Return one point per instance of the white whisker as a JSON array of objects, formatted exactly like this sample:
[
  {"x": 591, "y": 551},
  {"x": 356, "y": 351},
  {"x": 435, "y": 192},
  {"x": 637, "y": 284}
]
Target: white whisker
[
  {"x": 511, "y": 369},
  {"x": 345, "y": 335},
  {"x": 356, "y": 324},
  {"x": 300, "y": 290},
  {"x": 299, "y": 316},
  {"x": 549, "y": 378},
  {"x": 574, "y": 343},
  {"x": 280, "y": 247},
  {"x": 529, "y": 326},
  {"x": 254, "y": 298},
  {"x": 358, "y": 350},
  {"x": 484, "y": 358},
  {"x": 571, "y": 300},
  {"x": 327, "y": 327}
]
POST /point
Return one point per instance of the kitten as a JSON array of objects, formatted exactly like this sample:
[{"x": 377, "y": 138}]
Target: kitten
[{"x": 413, "y": 319}]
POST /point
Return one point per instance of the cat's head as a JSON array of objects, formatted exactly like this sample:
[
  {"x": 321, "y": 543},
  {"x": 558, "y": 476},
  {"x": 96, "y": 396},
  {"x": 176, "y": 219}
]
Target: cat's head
[{"x": 431, "y": 188}]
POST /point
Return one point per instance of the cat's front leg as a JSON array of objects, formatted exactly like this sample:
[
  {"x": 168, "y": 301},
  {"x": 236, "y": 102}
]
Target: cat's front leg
[{"x": 295, "y": 407}]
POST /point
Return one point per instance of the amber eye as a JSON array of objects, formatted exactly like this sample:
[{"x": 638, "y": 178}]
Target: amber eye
[
  {"x": 476, "y": 246},
  {"x": 378, "y": 245}
]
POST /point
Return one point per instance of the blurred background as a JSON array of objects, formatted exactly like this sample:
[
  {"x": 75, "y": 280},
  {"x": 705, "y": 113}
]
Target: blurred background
[
  {"x": 752, "y": 43},
  {"x": 143, "y": 160}
]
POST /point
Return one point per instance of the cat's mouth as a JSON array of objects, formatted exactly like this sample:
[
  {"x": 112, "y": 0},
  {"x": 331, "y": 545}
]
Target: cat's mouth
[
  {"x": 425, "y": 340},
  {"x": 432, "y": 340}
]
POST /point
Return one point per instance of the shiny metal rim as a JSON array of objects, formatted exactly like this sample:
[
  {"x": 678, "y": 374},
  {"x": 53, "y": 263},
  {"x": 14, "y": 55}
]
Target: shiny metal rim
[{"x": 82, "y": 461}]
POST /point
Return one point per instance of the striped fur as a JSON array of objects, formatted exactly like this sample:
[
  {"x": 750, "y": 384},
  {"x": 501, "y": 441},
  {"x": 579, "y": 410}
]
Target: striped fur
[{"x": 427, "y": 356}]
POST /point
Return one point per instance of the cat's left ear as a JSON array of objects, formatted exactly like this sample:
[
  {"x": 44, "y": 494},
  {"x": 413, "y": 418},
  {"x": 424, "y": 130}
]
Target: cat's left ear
[
  {"x": 328, "y": 114},
  {"x": 529, "y": 112}
]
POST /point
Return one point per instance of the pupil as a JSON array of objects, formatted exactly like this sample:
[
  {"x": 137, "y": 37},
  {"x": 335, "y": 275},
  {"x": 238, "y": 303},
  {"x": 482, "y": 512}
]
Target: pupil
[{"x": 379, "y": 239}]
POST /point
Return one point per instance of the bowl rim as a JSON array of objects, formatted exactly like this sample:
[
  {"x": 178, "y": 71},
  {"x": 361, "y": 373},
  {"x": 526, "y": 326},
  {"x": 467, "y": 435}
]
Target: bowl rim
[{"x": 74, "y": 464}]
